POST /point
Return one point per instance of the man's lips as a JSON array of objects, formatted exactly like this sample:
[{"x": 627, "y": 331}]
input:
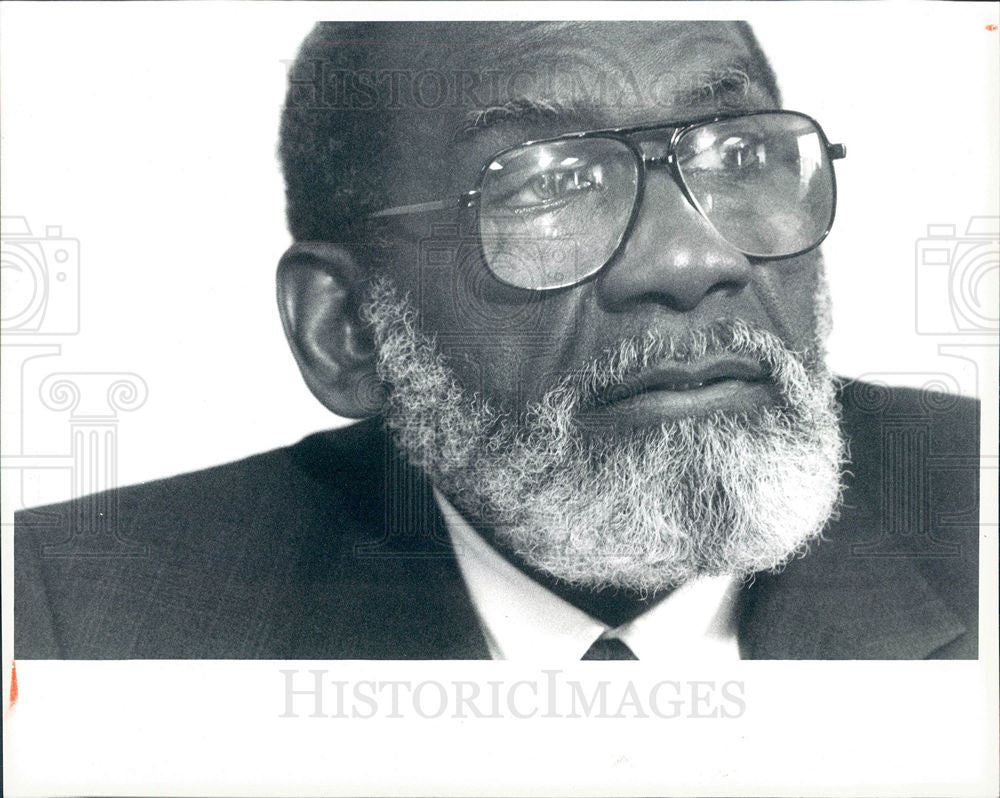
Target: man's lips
[
  {"x": 685, "y": 378},
  {"x": 674, "y": 391}
]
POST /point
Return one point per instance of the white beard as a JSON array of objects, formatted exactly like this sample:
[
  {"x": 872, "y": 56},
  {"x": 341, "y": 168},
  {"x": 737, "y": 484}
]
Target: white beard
[{"x": 723, "y": 493}]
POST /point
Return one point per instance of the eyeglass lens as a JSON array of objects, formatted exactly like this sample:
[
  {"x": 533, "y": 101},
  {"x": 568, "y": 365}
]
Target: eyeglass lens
[
  {"x": 763, "y": 181},
  {"x": 552, "y": 214}
]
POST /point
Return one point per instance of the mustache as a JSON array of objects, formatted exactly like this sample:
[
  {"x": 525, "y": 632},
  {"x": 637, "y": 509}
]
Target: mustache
[{"x": 733, "y": 348}]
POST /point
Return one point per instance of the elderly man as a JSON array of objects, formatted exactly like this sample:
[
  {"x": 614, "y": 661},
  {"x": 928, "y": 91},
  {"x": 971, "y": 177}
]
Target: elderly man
[{"x": 569, "y": 275}]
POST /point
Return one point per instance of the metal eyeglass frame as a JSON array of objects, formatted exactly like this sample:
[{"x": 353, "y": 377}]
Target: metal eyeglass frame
[{"x": 471, "y": 199}]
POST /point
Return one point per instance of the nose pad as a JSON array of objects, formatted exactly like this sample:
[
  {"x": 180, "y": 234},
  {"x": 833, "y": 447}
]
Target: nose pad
[{"x": 673, "y": 256}]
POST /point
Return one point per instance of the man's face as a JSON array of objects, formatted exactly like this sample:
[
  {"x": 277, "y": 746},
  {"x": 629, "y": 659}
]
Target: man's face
[
  {"x": 673, "y": 274},
  {"x": 667, "y": 418}
]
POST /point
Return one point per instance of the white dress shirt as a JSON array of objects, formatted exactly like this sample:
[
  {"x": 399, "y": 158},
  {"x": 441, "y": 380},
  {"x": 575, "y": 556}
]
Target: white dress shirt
[{"x": 522, "y": 619}]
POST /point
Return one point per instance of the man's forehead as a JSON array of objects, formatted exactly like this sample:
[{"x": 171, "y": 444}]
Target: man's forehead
[
  {"x": 613, "y": 67},
  {"x": 625, "y": 45},
  {"x": 455, "y": 44}
]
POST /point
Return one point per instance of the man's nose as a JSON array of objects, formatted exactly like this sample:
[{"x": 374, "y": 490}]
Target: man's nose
[{"x": 673, "y": 256}]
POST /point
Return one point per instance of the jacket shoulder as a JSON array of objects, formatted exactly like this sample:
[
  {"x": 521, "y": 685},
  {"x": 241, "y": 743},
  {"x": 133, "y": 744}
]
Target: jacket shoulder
[
  {"x": 94, "y": 576},
  {"x": 328, "y": 462}
]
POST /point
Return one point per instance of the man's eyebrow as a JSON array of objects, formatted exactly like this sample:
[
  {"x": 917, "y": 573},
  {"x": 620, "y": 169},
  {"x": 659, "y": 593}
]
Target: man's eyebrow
[
  {"x": 518, "y": 109},
  {"x": 728, "y": 87}
]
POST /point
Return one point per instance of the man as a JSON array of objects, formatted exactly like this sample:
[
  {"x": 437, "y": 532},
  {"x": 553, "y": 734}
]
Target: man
[{"x": 569, "y": 275}]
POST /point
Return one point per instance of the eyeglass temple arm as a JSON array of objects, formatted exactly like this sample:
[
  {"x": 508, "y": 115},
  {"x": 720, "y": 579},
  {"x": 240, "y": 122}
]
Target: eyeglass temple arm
[
  {"x": 835, "y": 151},
  {"x": 466, "y": 200}
]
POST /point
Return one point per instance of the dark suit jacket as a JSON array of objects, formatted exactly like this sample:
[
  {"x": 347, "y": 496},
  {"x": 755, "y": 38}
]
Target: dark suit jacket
[{"x": 334, "y": 548}]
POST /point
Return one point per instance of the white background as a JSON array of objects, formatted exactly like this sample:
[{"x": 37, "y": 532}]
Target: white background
[{"x": 148, "y": 134}]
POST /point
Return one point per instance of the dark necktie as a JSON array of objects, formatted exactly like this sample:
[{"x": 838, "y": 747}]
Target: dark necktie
[{"x": 609, "y": 648}]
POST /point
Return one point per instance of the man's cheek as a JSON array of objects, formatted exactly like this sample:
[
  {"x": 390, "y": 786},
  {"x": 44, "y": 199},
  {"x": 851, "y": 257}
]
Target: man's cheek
[
  {"x": 456, "y": 295},
  {"x": 788, "y": 291},
  {"x": 495, "y": 370}
]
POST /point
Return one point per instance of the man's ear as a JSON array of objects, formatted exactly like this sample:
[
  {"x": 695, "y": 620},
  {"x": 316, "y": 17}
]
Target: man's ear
[{"x": 319, "y": 297}]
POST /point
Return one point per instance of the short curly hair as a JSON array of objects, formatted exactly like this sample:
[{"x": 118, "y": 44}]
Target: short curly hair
[{"x": 327, "y": 148}]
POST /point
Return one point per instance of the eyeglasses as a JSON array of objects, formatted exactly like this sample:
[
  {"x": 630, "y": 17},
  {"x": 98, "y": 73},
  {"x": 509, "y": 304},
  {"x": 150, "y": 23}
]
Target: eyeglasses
[{"x": 554, "y": 212}]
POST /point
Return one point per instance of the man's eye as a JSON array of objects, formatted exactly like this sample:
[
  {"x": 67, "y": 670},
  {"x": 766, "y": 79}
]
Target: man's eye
[
  {"x": 735, "y": 154},
  {"x": 554, "y": 185}
]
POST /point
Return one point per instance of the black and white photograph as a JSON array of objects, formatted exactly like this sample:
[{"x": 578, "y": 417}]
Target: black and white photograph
[{"x": 370, "y": 367}]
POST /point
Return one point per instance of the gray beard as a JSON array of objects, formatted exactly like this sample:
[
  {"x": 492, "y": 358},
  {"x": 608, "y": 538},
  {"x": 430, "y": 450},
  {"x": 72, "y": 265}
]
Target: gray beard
[{"x": 645, "y": 510}]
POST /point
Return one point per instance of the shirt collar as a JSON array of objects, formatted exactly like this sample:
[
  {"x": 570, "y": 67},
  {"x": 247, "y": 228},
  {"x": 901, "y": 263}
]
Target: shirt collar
[{"x": 523, "y": 620}]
